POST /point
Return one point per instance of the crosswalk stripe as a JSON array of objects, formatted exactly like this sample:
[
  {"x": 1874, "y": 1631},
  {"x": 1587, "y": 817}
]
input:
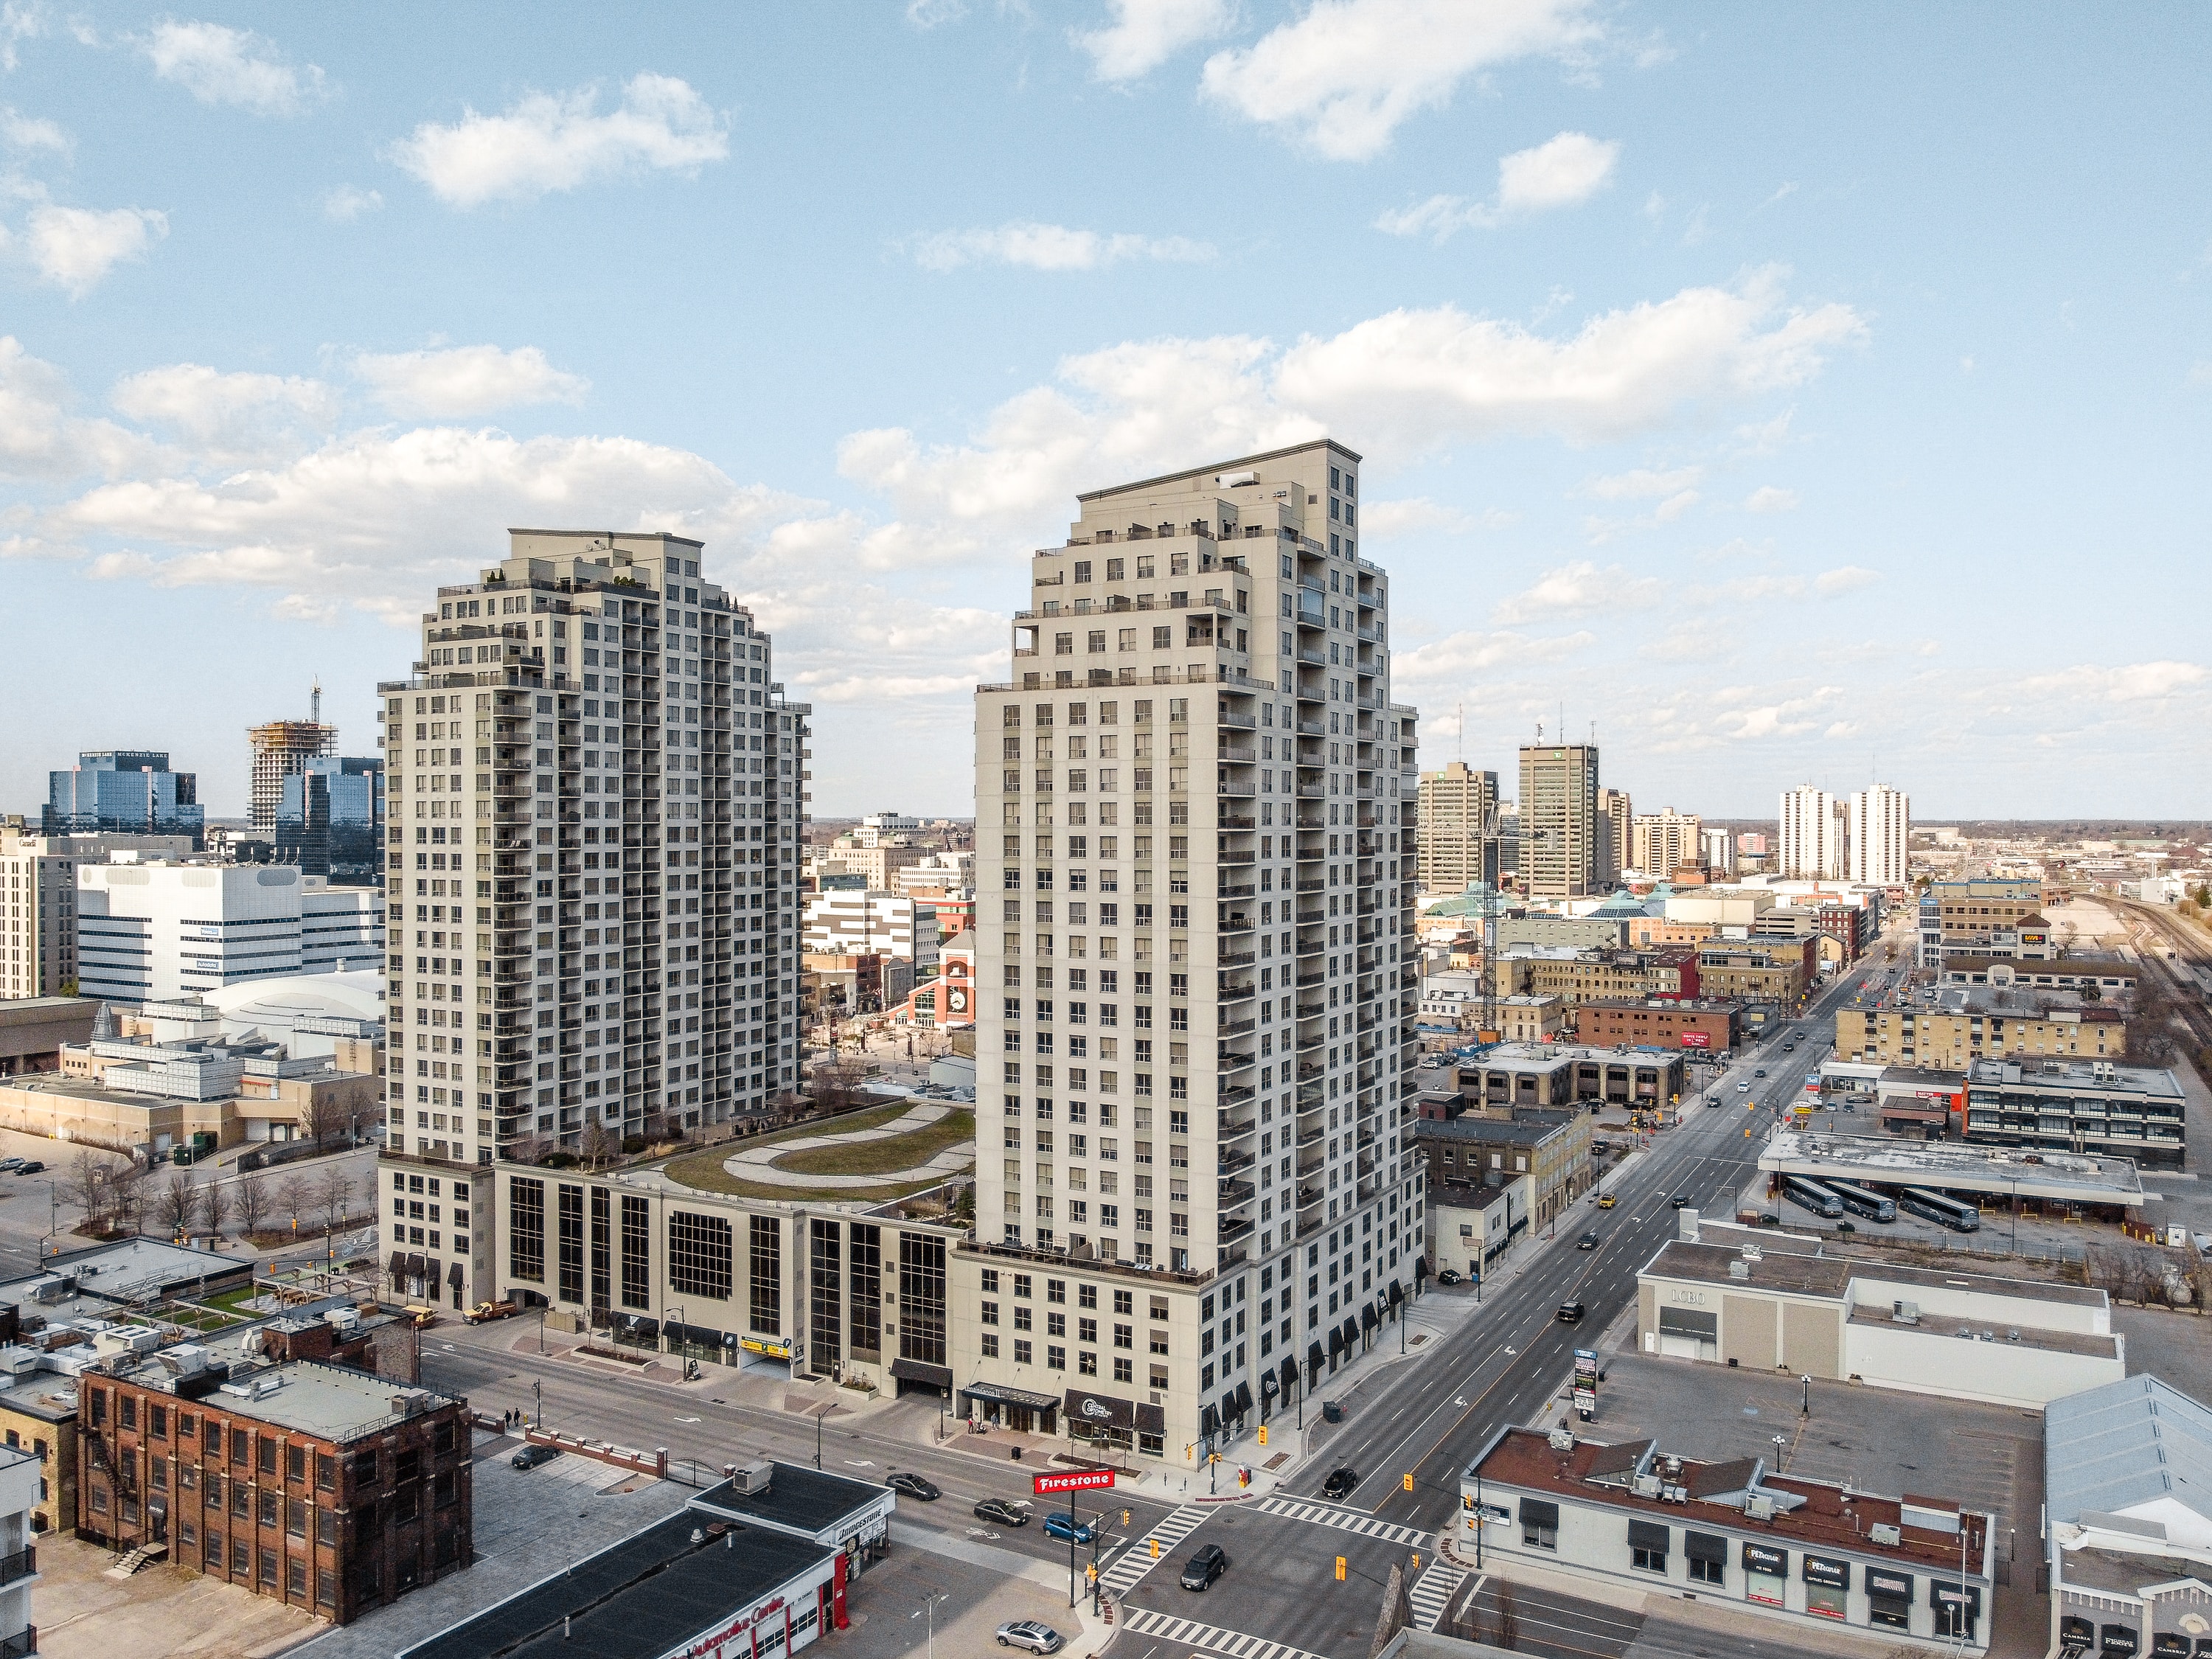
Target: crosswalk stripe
[
  {"x": 1433, "y": 1591},
  {"x": 1237, "y": 1644},
  {"x": 1137, "y": 1560},
  {"x": 1325, "y": 1515}
]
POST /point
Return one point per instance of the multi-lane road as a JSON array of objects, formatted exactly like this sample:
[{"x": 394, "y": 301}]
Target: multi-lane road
[{"x": 1281, "y": 1598}]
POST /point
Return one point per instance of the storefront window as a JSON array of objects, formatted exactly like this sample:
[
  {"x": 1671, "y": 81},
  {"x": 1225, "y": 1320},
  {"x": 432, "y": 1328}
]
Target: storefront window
[{"x": 1765, "y": 1574}]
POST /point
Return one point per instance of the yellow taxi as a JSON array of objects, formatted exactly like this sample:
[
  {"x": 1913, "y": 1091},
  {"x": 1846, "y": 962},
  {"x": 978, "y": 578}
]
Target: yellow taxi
[{"x": 1607, "y": 1201}]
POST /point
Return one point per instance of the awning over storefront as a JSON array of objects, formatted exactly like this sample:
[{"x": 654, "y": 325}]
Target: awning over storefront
[
  {"x": 1336, "y": 1339},
  {"x": 453, "y": 1273},
  {"x": 1244, "y": 1398},
  {"x": 1351, "y": 1330},
  {"x": 1101, "y": 1411},
  {"x": 398, "y": 1266},
  {"x": 1368, "y": 1320},
  {"x": 915, "y": 1370},
  {"x": 1209, "y": 1422},
  {"x": 1005, "y": 1395},
  {"x": 1290, "y": 1376},
  {"x": 1314, "y": 1360},
  {"x": 1151, "y": 1419},
  {"x": 1397, "y": 1292}
]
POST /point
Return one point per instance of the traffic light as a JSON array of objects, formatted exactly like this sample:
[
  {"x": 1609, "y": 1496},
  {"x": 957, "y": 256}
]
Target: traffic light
[
  {"x": 1417, "y": 1560},
  {"x": 1340, "y": 1569},
  {"x": 1263, "y": 1434},
  {"x": 1409, "y": 1483},
  {"x": 1090, "y": 1572},
  {"x": 1124, "y": 1517}
]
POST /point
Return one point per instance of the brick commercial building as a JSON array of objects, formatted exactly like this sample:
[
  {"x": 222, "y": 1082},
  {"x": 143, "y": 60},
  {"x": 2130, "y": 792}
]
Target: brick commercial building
[
  {"x": 326, "y": 1488},
  {"x": 1649, "y": 1022},
  {"x": 1470, "y": 1150},
  {"x": 1971, "y": 1022},
  {"x": 1598, "y": 976},
  {"x": 1772, "y": 971}
]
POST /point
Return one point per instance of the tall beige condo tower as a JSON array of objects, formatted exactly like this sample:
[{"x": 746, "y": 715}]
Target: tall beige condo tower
[
  {"x": 593, "y": 875},
  {"x": 1458, "y": 835},
  {"x": 1615, "y": 816},
  {"x": 1196, "y": 816},
  {"x": 1879, "y": 851},
  {"x": 1562, "y": 836},
  {"x": 1661, "y": 842}
]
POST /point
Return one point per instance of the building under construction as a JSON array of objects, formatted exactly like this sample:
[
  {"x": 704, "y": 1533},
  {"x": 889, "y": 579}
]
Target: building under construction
[{"x": 281, "y": 749}]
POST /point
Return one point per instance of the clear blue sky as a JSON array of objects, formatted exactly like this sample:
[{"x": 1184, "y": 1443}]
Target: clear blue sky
[{"x": 1809, "y": 393}]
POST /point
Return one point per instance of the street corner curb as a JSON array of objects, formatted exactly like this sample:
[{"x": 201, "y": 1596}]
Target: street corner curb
[{"x": 1226, "y": 1497}]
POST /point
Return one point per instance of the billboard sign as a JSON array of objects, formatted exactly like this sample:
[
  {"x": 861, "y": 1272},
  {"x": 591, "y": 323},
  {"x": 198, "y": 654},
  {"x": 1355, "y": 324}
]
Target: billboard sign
[
  {"x": 1697, "y": 1040},
  {"x": 1075, "y": 1480}
]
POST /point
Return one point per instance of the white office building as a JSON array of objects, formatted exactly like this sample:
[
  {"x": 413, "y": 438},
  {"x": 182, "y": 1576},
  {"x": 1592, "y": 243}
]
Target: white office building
[
  {"x": 1814, "y": 833},
  {"x": 155, "y": 930},
  {"x": 859, "y": 921},
  {"x": 1197, "y": 982},
  {"x": 1880, "y": 828}
]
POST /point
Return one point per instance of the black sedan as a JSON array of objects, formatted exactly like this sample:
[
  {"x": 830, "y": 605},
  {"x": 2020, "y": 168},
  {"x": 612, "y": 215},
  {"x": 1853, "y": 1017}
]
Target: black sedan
[
  {"x": 531, "y": 1456},
  {"x": 1342, "y": 1483},
  {"x": 1204, "y": 1567},
  {"x": 1451, "y": 1276},
  {"x": 1005, "y": 1514},
  {"x": 1680, "y": 1201},
  {"x": 1587, "y": 1241},
  {"x": 915, "y": 1487}
]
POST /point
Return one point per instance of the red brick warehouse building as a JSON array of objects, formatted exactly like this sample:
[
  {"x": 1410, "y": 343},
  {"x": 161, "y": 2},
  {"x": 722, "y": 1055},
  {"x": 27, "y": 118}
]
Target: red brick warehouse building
[
  {"x": 1650, "y": 1023},
  {"x": 330, "y": 1489}
]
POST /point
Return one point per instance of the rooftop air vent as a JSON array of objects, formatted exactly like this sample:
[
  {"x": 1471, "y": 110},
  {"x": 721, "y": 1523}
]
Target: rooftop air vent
[{"x": 1881, "y": 1532}]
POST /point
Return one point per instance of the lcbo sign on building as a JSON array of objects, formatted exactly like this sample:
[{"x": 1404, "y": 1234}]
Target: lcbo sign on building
[{"x": 1077, "y": 1480}]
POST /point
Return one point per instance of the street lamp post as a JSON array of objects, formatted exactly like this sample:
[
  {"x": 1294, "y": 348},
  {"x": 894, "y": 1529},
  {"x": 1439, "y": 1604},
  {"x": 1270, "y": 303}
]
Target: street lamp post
[
  {"x": 929, "y": 1613},
  {"x": 821, "y": 1413}
]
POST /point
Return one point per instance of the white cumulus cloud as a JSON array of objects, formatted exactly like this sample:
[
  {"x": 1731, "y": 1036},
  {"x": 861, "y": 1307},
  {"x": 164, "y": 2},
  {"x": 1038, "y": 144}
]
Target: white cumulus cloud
[
  {"x": 1574, "y": 588},
  {"x": 30, "y": 133},
  {"x": 1771, "y": 498},
  {"x": 1050, "y": 247},
  {"x": 222, "y": 65},
  {"x": 1643, "y": 483},
  {"x": 1558, "y": 173},
  {"x": 464, "y": 380},
  {"x": 1410, "y": 378},
  {"x": 347, "y": 202},
  {"x": 555, "y": 142},
  {"x": 73, "y": 248},
  {"x": 1145, "y": 33},
  {"x": 1844, "y": 579},
  {"x": 1347, "y": 73},
  {"x": 226, "y": 416},
  {"x": 2139, "y": 682}
]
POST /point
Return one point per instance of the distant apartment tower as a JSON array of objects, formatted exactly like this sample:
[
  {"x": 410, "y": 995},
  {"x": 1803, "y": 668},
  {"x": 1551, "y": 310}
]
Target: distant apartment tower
[
  {"x": 124, "y": 791},
  {"x": 281, "y": 749},
  {"x": 1662, "y": 842},
  {"x": 1752, "y": 844},
  {"x": 1813, "y": 832},
  {"x": 1615, "y": 815},
  {"x": 1458, "y": 830},
  {"x": 1562, "y": 836},
  {"x": 1195, "y": 802},
  {"x": 595, "y": 796},
  {"x": 1880, "y": 836},
  {"x": 155, "y": 930},
  {"x": 1719, "y": 851},
  {"x": 330, "y": 819}
]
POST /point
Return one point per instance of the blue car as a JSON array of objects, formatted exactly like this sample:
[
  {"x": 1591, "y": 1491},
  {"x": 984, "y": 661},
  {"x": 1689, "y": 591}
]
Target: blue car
[{"x": 1065, "y": 1527}]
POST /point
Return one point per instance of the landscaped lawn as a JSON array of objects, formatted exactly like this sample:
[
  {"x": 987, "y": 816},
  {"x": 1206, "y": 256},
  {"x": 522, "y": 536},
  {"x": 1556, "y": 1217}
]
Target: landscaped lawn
[
  {"x": 883, "y": 1157},
  {"x": 704, "y": 1171}
]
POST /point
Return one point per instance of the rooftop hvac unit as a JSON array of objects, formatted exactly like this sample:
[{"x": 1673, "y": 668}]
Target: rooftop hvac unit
[
  {"x": 1904, "y": 1313},
  {"x": 1882, "y": 1533},
  {"x": 1674, "y": 1495},
  {"x": 1759, "y": 1509},
  {"x": 1672, "y": 1466},
  {"x": 753, "y": 1478},
  {"x": 1645, "y": 1485},
  {"x": 1739, "y": 1270},
  {"x": 1563, "y": 1438}
]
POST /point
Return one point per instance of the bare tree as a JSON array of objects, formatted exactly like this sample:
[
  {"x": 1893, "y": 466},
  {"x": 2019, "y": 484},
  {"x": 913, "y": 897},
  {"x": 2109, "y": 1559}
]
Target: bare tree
[
  {"x": 126, "y": 1186},
  {"x": 215, "y": 1206},
  {"x": 176, "y": 1204},
  {"x": 332, "y": 1193},
  {"x": 324, "y": 1116},
  {"x": 291, "y": 1195},
  {"x": 597, "y": 1145},
  {"x": 250, "y": 1198},
  {"x": 85, "y": 1187},
  {"x": 362, "y": 1111}
]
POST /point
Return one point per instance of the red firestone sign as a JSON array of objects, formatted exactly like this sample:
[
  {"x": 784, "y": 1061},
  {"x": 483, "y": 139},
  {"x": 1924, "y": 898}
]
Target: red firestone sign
[{"x": 1079, "y": 1480}]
